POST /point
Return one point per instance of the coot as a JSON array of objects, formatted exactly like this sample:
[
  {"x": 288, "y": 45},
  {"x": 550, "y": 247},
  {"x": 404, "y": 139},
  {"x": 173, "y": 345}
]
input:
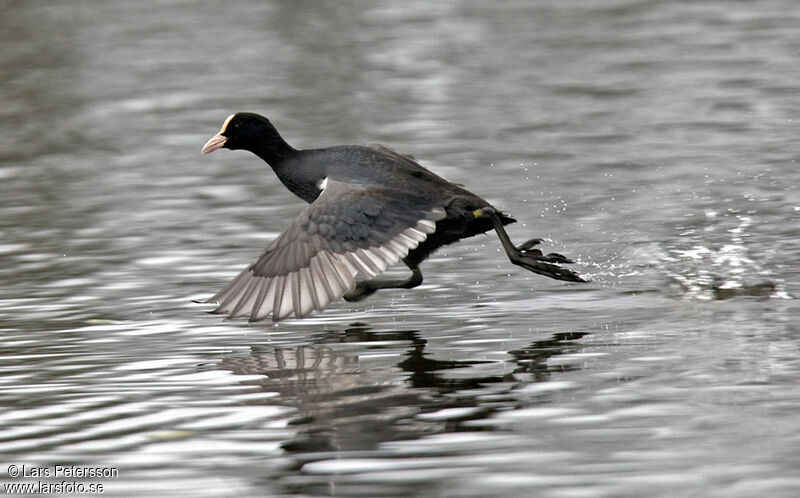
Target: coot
[{"x": 369, "y": 207}]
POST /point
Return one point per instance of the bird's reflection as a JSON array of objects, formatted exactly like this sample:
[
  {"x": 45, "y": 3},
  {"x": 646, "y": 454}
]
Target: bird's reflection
[{"x": 352, "y": 393}]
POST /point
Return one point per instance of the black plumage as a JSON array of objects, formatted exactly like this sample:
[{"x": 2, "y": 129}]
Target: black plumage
[{"x": 369, "y": 207}]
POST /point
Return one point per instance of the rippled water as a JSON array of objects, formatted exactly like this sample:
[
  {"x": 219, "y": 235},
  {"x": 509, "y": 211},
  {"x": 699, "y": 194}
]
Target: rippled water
[{"x": 655, "y": 142}]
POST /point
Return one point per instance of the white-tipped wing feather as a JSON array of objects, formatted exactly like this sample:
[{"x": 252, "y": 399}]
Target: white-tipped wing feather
[{"x": 348, "y": 231}]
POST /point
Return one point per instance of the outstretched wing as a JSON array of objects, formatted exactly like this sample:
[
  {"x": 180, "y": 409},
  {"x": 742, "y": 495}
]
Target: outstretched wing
[{"x": 348, "y": 230}]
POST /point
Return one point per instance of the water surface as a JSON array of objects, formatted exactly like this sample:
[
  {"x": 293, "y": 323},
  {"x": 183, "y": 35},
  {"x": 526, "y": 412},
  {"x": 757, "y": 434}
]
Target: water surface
[{"x": 654, "y": 142}]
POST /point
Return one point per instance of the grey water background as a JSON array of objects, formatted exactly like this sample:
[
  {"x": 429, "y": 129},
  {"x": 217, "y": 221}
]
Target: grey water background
[{"x": 654, "y": 142}]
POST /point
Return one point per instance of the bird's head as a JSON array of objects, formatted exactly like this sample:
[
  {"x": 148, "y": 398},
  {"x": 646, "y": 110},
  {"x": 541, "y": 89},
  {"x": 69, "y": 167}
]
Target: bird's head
[{"x": 243, "y": 130}]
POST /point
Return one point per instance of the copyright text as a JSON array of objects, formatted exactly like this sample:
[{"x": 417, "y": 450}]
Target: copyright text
[{"x": 56, "y": 479}]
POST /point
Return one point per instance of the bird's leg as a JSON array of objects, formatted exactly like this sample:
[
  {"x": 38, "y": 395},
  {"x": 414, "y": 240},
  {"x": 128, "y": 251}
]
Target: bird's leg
[
  {"x": 526, "y": 256},
  {"x": 368, "y": 287}
]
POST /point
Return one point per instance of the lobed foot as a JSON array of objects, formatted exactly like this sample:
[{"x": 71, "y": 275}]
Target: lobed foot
[
  {"x": 526, "y": 255},
  {"x": 534, "y": 261},
  {"x": 527, "y": 249}
]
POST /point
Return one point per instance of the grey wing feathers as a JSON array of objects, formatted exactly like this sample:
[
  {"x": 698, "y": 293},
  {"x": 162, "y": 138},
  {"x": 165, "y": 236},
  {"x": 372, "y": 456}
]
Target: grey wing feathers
[{"x": 348, "y": 231}]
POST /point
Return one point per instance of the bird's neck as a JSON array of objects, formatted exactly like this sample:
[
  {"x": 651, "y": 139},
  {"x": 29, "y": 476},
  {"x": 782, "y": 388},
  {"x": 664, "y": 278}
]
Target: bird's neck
[
  {"x": 274, "y": 150},
  {"x": 302, "y": 174}
]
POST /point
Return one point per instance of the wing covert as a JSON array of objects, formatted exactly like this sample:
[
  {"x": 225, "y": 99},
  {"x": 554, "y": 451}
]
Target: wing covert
[{"x": 348, "y": 230}]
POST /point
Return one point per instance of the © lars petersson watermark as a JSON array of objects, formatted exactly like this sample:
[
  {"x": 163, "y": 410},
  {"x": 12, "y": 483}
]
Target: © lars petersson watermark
[{"x": 57, "y": 479}]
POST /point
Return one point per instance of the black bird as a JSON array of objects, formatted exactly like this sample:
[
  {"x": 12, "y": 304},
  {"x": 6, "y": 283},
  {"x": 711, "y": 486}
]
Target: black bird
[{"x": 369, "y": 207}]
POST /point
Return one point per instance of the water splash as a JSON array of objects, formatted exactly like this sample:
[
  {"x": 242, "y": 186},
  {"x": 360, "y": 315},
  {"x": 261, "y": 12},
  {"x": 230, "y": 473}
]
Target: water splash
[
  {"x": 609, "y": 271},
  {"x": 705, "y": 272}
]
